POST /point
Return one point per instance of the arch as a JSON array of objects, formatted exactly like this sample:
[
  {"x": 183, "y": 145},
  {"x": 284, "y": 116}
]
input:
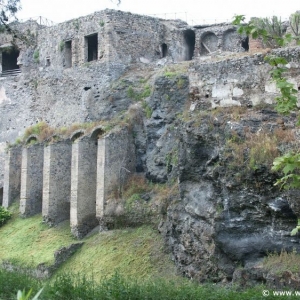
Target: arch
[
  {"x": 10, "y": 58},
  {"x": 208, "y": 43},
  {"x": 189, "y": 39},
  {"x": 32, "y": 139},
  {"x": 164, "y": 50},
  {"x": 97, "y": 132},
  {"x": 231, "y": 41},
  {"x": 76, "y": 135}
]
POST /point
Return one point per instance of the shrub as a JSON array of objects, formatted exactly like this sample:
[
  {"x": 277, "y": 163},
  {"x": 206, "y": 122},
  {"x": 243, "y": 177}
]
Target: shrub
[
  {"x": 273, "y": 28},
  {"x": 5, "y": 215},
  {"x": 36, "y": 56}
]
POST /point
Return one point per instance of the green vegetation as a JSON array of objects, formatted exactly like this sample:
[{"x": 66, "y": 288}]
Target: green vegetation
[
  {"x": 61, "y": 46},
  {"x": 282, "y": 262},
  {"x": 5, "y": 215},
  {"x": 288, "y": 163},
  {"x": 139, "y": 95},
  {"x": 251, "y": 151},
  {"x": 273, "y": 29},
  {"x": 22, "y": 295},
  {"x": 138, "y": 252},
  {"x": 295, "y": 25},
  {"x": 36, "y": 56},
  {"x": 121, "y": 287},
  {"x": 148, "y": 110},
  {"x": 76, "y": 24},
  {"x": 29, "y": 241}
]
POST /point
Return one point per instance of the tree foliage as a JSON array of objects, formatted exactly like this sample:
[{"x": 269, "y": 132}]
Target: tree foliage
[{"x": 295, "y": 24}]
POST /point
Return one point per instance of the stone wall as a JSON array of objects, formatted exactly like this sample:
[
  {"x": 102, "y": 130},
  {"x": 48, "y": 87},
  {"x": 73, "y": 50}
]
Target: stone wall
[
  {"x": 223, "y": 37},
  {"x": 241, "y": 81},
  {"x": 70, "y": 180}
]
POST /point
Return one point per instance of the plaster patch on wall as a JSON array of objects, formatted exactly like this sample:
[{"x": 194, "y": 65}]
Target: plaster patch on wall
[
  {"x": 255, "y": 99},
  {"x": 3, "y": 97},
  {"x": 237, "y": 92},
  {"x": 221, "y": 91},
  {"x": 270, "y": 87},
  {"x": 229, "y": 102}
]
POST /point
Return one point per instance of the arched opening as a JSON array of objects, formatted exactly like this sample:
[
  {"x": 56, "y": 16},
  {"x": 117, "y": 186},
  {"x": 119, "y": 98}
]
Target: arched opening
[
  {"x": 208, "y": 43},
  {"x": 76, "y": 135},
  {"x": 32, "y": 139},
  {"x": 245, "y": 43},
  {"x": 230, "y": 40},
  {"x": 9, "y": 58},
  {"x": 164, "y": 50},
  {"x": 1, "y": 196},
  {"x": 97, "y": 133},
  {"x": 189, "y": 38}
]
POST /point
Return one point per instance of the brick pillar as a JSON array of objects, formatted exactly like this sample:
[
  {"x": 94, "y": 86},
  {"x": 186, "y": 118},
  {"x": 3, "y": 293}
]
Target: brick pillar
[
  {"x": 83, "y": 186},
  {"x": 12, "y": 176},
  {"x": 57, "y": 182},
  {"x": 32, "y": 180}
]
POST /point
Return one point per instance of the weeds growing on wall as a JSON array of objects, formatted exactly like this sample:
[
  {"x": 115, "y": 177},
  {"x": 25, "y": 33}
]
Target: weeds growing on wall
[
  {"x": 139, "y": 94},
  {"x": 36, "y": 56}
]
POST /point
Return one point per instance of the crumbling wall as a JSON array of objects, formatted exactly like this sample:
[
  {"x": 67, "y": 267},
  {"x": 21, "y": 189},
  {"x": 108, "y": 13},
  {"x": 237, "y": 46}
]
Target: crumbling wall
[
  {"x": 51, "y": 42},
  {"x": 222, "y": 37},
  {"x": 241, "y": 81}
]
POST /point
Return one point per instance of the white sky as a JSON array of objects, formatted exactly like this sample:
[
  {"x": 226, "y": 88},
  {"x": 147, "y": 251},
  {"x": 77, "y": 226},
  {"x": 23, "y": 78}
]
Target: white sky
[{"x": 193, "y": 11}]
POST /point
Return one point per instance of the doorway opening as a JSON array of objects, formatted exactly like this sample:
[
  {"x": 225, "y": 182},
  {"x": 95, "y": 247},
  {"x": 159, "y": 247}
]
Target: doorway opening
[
  {"x": 189, "y": 38},
  {"x": 92, "y": 47}
]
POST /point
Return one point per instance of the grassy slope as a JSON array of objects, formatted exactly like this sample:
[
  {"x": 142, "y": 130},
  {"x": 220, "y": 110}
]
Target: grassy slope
[{"x": 135, "y": 252}]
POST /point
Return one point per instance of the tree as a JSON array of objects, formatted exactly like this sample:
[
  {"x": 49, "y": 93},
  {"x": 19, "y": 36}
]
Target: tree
[{"x": 8, "y": 10}]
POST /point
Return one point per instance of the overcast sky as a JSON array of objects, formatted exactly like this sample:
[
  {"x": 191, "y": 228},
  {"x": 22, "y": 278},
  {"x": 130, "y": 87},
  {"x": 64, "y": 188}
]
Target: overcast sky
[{"x": 193, "y": 11}]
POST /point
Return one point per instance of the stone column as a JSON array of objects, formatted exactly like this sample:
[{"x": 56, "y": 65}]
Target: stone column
[
  {"x": 83, "y": 186},
  {"x": 115, "y": 164},
  {"x": 57, "y": 182},
  {"x": 32, "y": 180},
  {"x": 12, "y": 176},
  {"x": 100, "y": 179}
]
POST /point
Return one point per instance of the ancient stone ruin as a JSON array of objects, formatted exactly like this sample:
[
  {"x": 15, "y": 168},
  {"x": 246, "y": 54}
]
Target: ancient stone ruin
[
  {"x": 69, "y": 179},
  {"x": 172, "y": 79}
]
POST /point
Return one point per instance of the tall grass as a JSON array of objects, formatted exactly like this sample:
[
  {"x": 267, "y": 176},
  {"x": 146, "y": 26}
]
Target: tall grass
[{"x": 118, "y": 287}]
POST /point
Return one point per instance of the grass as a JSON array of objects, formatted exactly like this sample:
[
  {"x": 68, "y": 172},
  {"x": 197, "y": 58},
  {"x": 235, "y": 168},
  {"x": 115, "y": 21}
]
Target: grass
[
  {"x": 138, "y": 252},
  {"x": 282, "y": 262},
  {"x": 71, "y": 287},
  {"x": 29, "y": 241}
]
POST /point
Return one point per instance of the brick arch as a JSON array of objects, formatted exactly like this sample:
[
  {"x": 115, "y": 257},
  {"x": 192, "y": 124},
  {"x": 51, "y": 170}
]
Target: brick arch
[{"x": 208, "y": 43}]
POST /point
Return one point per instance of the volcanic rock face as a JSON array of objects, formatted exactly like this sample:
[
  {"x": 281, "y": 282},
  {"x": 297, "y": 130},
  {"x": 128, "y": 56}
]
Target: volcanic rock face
[{"x": 222, "y": 221}]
